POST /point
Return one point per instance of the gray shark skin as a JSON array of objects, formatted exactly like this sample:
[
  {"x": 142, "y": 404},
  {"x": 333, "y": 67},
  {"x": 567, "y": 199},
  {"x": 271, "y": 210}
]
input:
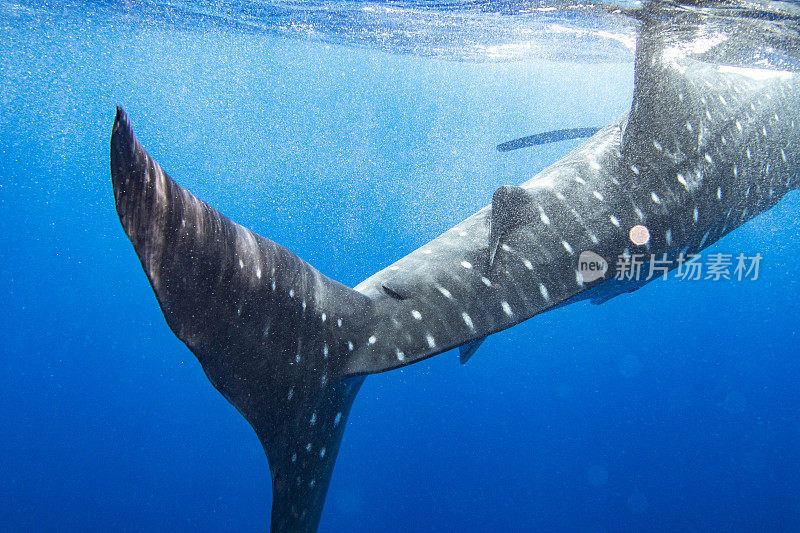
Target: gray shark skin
[{"x": 706, "y": 146}]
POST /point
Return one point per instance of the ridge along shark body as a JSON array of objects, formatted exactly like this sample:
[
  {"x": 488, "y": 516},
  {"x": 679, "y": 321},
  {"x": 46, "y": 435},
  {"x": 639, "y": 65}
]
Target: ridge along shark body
[{"x": 705, "y": 147}]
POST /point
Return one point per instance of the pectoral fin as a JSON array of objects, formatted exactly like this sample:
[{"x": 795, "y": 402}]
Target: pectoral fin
[{"x": 547, "y": 137}]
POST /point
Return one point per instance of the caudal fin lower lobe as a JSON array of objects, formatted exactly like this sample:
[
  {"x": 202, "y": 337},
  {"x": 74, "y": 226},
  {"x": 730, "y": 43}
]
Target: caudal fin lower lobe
[{"x": 270, "y": 331}]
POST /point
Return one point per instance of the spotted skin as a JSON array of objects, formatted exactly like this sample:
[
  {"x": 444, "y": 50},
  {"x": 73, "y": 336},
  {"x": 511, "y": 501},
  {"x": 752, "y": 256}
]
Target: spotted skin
[
  {"x": 706, "y": 147},
  {"x": 270, "y": 331}
]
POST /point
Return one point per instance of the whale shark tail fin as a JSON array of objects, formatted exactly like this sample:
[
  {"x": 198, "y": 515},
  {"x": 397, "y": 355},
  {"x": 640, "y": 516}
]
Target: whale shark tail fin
[{"x": 270, "y": 331}]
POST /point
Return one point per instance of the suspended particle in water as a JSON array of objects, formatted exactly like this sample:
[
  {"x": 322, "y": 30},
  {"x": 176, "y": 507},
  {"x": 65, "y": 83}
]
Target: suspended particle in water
[{"x": 639, "y": 235}]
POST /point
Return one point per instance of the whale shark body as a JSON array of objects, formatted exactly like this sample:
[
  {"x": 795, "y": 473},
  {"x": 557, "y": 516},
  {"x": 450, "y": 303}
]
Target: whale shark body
[{"x": 706, "y": 146}]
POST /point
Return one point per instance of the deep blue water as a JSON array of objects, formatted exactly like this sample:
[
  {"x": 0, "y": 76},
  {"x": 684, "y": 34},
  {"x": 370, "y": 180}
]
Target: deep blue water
[{"x": 673, "y": 408}]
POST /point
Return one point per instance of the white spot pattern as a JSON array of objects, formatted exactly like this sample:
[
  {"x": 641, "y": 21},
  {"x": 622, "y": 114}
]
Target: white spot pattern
[
  {"x": 543, "y": 216},
  {"x": 468, "y": 321},
  {"x": 431, "y": 341}
]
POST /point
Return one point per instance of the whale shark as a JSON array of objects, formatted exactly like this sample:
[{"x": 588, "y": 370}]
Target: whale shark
[{"x": 709, "y": 143}]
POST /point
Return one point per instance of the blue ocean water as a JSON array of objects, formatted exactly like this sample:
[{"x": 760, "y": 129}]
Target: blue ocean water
[{"x": 675, "y": 407}]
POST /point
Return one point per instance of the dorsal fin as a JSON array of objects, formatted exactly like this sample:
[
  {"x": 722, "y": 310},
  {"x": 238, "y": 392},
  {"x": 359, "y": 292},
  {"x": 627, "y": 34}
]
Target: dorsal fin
[
  {"x": 270, "y": 331},
  {"x": 673, "y": 90},
  {"x": 659, "y": 98},
  {"x": 512, "y": 206}
]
